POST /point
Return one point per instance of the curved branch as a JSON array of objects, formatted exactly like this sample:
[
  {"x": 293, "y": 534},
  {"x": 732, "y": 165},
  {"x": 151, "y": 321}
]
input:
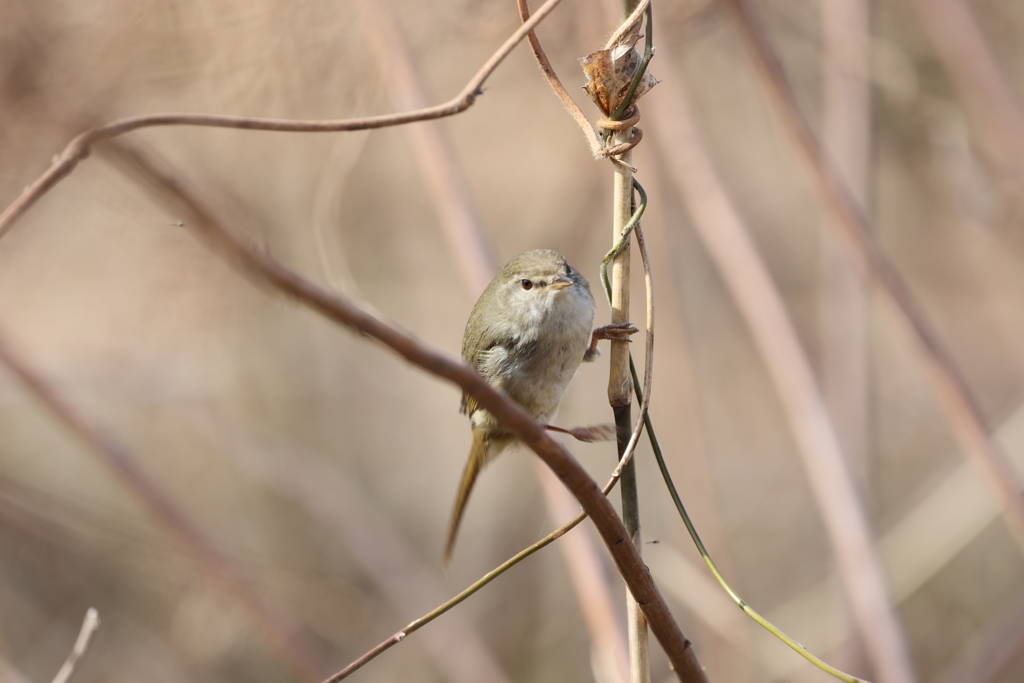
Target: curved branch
[
  {"x": 261, "y": 267},
  {"x": 81, "y": 146}
]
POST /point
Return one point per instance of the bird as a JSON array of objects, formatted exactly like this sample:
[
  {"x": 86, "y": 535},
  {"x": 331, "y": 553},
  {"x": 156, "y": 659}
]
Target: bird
[{"x": 527, "y": 335}]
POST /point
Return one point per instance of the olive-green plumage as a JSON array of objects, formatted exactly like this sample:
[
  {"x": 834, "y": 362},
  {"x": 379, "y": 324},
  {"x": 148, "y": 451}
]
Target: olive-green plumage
[{"x": 527, "y": 335}]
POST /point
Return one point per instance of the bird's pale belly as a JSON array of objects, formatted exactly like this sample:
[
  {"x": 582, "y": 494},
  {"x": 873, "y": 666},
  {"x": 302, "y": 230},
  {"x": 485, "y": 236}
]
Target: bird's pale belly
[{"x": 547, "y": 376}]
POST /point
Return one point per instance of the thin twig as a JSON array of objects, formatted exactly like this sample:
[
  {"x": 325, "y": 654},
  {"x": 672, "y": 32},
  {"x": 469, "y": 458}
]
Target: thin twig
[
  {"x": 479, "y": 583},
  {"x": 593, "y": 585},
  {"x": 627, "y": 232},
  {"x": 469, "y": 591},
  {"x": 90, "y": 625},
  {"x": 556, "y": 84},
  {"x": 181, "y": 196},
  {"x": 961, "y": 408},
  {"x": 80, "y": 147}
]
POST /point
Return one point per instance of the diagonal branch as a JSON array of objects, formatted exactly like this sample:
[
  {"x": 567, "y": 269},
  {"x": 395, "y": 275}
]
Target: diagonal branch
[
  {"x": 80, "y": 147},
  {"x": 181, "y": 196}
]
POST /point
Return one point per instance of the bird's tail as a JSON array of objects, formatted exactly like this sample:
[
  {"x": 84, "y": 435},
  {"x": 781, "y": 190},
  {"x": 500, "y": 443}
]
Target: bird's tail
[{"x": 477, "y": 460}]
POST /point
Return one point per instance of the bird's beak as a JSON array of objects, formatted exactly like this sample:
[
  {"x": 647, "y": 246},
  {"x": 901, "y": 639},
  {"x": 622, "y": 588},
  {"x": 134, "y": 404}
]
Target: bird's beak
[{"x": 560, "y": 282}]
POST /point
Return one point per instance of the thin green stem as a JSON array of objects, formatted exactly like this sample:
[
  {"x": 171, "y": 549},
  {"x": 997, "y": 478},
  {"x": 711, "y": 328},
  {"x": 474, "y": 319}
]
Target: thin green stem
[
  {"x": 638, "y": 76},
  {"x": 747, "y": 609},
  {"x": 627, "y": 230}
]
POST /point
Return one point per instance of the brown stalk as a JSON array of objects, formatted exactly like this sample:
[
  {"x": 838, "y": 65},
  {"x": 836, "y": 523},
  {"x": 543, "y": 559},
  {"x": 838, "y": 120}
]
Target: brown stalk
[
  {"x": 79, "y": 148},
  {"x": 466, "y": 239},
  {"x": 119, "y": 460},
  {"x": 608, "y": 642},
  {"x": 181, "y": 197},
  {"x": 964, "y": 414},
  {"x": 556, "y": 84},
  {"x": 721, "y": 229},
  {"x": 419, "y": 623},
  {"x": 620, "y": 391}
]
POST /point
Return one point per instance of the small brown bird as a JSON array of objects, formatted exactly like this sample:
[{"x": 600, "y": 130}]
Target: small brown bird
[{"x": 527, "y": 335}]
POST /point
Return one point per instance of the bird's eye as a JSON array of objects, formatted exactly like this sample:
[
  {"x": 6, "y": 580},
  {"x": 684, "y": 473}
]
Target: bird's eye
[{"x": 526, "y": 284}]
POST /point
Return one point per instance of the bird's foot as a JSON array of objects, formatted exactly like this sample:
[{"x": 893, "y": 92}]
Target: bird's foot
[
  {"x": 592, "y": 434},
  {"x": 613, "y": 332}
]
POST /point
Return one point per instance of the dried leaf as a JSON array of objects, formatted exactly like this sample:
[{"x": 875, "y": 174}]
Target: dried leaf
[{"x": 610, "y": 72}]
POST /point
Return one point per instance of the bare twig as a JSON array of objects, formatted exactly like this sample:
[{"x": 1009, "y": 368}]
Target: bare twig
[
  {"x": 80, "y": 147},
  {"x": 181, "y": 196},
  {"x": 472, "y": 589},
  {"x": 593, "y": 586},
  {"x": 90, "y": 625},
  {"x": 119, "y": 460},
  {"x": 961, "y": 408},
  {"x": 556, "y": 84}
]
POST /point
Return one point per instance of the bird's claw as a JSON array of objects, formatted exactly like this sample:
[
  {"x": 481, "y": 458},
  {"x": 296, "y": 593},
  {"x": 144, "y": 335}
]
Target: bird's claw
[
  {"x": 592, "y": 434},
  {"x": 615, "y": 332},
  {"x": 605, "y": 432}
]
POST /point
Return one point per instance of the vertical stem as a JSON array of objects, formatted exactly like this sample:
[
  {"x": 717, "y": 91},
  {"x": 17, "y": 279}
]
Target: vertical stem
[
  {"x": 620, "y": 390},
  {"x": 620, "y": 396}
]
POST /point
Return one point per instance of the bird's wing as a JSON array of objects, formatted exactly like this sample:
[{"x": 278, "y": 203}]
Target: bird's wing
[{"x": 485, "y": 350}]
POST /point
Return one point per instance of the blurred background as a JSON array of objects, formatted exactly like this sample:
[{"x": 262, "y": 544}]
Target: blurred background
[{"x": 323, "y": 468}]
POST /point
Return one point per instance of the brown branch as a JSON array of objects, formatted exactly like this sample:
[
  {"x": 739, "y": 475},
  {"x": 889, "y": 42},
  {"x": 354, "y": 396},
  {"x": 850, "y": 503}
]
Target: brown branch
[
  {"x": 181, "y": 196},
  {"x": 469, "y": 246},
  {"x": 80, "y": 147},
  {"x": 419, "y": 623},
  {"x": 120, "y": 461},
  {"x": 954, "y": 394},
  {"x": 596, "y": 148},
  {"x": 89, "y": 627}
]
